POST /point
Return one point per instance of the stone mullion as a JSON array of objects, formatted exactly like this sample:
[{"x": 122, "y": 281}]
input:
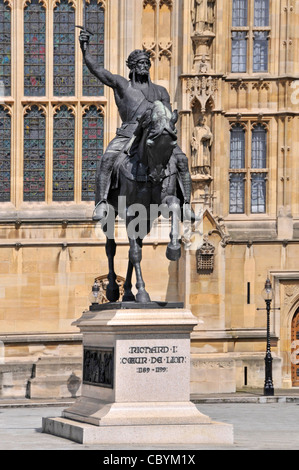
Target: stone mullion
[
  {"x": 12, "y": 111},
  {"x": 50, "y": 52},
  {"x": 186, "y": 44},
  {"x": 49, "y": 115},
  {"x": 247, "y": 174},
  {"x": 49, "y": 155},
  {"x": 78, "y": 52},
  {"x": 249, "y": 37},
  {"x": 78, "y": 155},
  {"x": 18, "y": 80},
  {"x": 78, "y": 115}
]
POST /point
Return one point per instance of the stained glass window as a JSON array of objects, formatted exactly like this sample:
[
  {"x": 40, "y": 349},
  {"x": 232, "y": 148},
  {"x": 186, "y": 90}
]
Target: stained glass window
[
  {"x": 5, "y": 145},
  {"x": 34, "y": 154},
  {"x": 236, "y": 193},
  {"x": 258, "y": 193},
  {"x": 239, "y": 51},
  {"x": 261, "y": 13},
  {"x": 239, "y": 13},
  {"x": 95, "y": 21},
  {"x": 5, "y": 49},
  {"x": 64, "y": 49},
  {"x": 260, "y": 51},
  {"x": 259, "y": 147},
  {"x": 92, "y": 150},
  {"x": 63, "y": 155},
  {"x": 237, "y": 147},
  {"x": 34, "y": 49}
]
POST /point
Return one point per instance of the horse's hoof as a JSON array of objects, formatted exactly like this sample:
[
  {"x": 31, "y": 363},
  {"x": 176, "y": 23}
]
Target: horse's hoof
[
  {"x": 143, "y": 297},
  {"x": 128, "y": 297},
  {"x": 112, "y": 294},
  {"x": 173, "y": 253}
]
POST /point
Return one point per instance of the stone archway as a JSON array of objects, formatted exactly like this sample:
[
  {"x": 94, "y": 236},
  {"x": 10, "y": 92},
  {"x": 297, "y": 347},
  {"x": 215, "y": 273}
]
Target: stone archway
[{"x": 295, "y": 349}]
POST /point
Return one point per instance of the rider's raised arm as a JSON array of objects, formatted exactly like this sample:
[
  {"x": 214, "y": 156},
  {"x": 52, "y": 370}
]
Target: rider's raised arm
[{"x": 106, "y": 77}]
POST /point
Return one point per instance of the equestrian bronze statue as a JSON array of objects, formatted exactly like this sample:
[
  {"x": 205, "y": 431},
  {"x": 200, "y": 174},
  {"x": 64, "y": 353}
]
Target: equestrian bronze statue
[{"x": 142, "y": 164}]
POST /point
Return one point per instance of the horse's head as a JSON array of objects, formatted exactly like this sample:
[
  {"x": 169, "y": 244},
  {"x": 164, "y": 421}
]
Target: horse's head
[{"x": 159, "y": 137}]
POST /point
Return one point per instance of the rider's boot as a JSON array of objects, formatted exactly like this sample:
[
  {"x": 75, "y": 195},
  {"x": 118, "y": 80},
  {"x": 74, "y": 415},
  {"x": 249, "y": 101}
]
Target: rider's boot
[
  {"x": 188, "y": 213},
  {"x": 101, "y": 209}
]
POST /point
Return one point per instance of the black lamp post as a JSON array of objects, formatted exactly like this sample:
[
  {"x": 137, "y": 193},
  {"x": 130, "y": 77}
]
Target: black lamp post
[{"x": 267, "y": 294}]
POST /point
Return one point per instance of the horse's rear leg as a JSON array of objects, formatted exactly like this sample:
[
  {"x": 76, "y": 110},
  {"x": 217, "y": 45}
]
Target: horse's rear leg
[
  {"x": 128, "y": 294},
  {"x": 135, "y": 256},
  {"x": 112, "y": 292},
  {"x": 173, "y": 251}
]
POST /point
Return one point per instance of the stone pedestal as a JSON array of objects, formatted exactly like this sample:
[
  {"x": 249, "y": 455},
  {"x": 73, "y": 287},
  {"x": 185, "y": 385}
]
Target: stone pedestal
[{"x": 136, "y": 381}]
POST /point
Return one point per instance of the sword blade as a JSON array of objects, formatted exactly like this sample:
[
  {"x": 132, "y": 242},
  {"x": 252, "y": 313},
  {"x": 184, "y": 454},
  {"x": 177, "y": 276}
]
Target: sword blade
[{"x": 84, "y": 14}]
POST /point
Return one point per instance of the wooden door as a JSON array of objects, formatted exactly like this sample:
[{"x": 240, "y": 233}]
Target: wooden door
[{"x": 295, "y": 350}]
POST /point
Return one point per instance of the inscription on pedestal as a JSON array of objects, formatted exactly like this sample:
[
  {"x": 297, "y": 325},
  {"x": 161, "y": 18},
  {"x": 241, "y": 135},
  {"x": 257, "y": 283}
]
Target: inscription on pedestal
[
  {"x": 156, "y": 359},
  {"x": 98, "y": 366},
  {"x": 153, "y": 369}
]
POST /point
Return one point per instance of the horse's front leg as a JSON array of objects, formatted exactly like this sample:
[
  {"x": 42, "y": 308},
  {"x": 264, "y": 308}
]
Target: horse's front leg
[
  {"x": 128, "y": 294},
  {"x": 173, "y": 251},
  {"x": 135, "y": 256},
  {"x": 112, "y": 291}
]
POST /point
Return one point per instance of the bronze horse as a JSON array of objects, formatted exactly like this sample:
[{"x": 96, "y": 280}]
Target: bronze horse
[{"x": 145, "y": 175}]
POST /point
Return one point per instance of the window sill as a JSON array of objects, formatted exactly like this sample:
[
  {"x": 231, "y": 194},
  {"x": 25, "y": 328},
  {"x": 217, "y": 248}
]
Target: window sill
[{"x": 55, "y": 211}]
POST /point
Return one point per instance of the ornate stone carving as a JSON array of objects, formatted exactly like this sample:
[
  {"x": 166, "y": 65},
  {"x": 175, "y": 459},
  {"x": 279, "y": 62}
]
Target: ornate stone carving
[
  {"x": 165, "y": 50},
  {"x": 100, "y": 2},
  {"x": 98, "y": 106},
  {"x": 261, "y": 85},
  {"x": 40, "y": 107},
  {"x": 203, "y": 15},
  {"x": 168, "y": 3},
  {"x": 103, "y": 282},
  {"x": 239, "y": 85},
  {"x": 205, "y": 257},
  {"x": 201, "y": 142},
  {"x": 151, "y": 48},
  {"x": 201, "y": 89},
  {"x": 153, "y": 3}
]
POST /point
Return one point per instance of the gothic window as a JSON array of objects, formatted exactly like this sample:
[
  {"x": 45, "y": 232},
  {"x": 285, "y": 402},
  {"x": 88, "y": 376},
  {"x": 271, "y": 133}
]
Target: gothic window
[
  {"x": 34, "y": 49},
  {"x": 250, "y": 36},
  {"x": 236, "y": 193},
  {"x": 64, "y": 49},
  {"x": 95, "y": 19},
  {"x": 259, "y": 147},
  {"x": 248, "y": 169},
  {"x": 239, "y": 51},
  {"x": 62, "y": 122},
  {"x": 261, "y": 13},
  {"x": 239, "y": 13},
  {"x": 5, "y": 48},
  {"x": 34, "y": 154},
  {"x": 258, "y": 161},
  {"x": 258, "y": 193},
  {"x": 260, "y": 51},
  {"x": 63, "y": 154},
  {"x": 92, "y": 149},
  {"x": 5, "y": 154},
  {"x": 237, "y": 147}
]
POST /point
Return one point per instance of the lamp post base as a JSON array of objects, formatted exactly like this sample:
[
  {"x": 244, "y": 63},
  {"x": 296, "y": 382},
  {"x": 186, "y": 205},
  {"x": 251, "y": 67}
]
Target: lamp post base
[
  {"x": 268, "y": 387},
  {"x": 269, "y": 391}
]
